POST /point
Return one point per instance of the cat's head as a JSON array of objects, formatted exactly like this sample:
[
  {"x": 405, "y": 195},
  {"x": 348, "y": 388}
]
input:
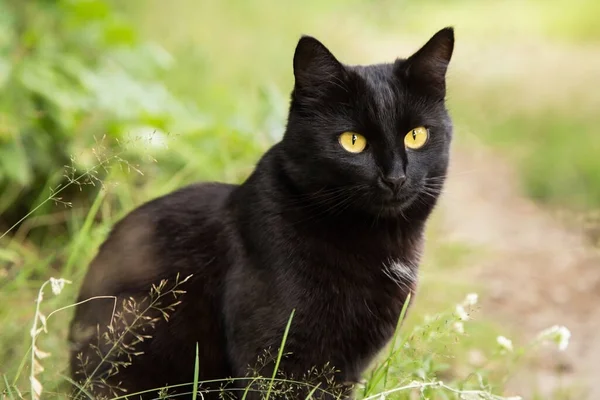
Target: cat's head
[{"x": 373, "y": 137}]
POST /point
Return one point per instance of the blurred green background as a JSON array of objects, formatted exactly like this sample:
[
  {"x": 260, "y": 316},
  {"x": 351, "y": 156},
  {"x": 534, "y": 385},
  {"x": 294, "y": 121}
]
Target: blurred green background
[{"x": 105, "y": 104}]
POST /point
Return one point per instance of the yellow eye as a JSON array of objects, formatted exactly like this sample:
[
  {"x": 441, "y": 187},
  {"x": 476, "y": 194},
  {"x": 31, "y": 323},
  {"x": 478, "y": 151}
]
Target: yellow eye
[
  {"x": 353, "y": 142},
  {"x": 416, "y": 138}
]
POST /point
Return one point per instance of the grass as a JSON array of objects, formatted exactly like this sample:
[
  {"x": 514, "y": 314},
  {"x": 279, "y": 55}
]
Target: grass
[{"x": 233, "y": 59}]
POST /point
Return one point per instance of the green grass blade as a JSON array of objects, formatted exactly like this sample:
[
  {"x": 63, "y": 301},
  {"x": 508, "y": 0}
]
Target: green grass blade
[
  {"x": 393, "y": 346},
  {"x": 285, "y": 334},
  {"x": 78, "y": 386},
  {"x": 84, "y": 232},
  {"x": 381, "y": 372},
  {"x": 21, "y": 366},
  {"x": 196, "y": 373},
  {"x": 11, "y": 396},
  {"x": 248, "y": 388},
  {"x": 310, "y": 394}
]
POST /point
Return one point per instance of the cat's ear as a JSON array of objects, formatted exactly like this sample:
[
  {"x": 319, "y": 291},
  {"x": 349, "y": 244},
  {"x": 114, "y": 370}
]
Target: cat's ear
[
  {"x": 428, "y": 66},
  {"x": 314, "y": 65}
]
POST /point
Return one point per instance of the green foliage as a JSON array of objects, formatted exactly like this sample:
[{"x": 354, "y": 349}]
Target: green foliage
[{"x": 71, "y": 73}]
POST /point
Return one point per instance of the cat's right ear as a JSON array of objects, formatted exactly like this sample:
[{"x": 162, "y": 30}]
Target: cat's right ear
[
  {"x": 314, "y": 65},
  {"x": 428, "y": 66}
]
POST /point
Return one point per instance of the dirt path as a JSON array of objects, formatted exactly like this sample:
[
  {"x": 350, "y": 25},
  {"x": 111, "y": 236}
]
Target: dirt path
[{"x": 537, "y": 273}]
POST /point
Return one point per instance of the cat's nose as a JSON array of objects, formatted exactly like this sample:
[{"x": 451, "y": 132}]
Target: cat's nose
[{"x": 394, "y": 183}]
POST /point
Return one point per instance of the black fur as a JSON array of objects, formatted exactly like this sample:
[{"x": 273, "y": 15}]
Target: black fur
[{"x": 314, "y": 229}]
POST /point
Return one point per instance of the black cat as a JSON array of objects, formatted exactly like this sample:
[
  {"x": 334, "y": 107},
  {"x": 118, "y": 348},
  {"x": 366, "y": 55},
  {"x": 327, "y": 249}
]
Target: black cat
[{"x": 330, "y": 224}]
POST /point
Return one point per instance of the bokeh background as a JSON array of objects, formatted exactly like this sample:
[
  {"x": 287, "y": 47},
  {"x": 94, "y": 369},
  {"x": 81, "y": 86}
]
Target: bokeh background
[{"x": 106, "y": 104}]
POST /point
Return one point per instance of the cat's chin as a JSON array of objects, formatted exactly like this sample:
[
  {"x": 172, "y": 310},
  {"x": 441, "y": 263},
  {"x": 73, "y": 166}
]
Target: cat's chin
[{"x": 396, "y": 207}]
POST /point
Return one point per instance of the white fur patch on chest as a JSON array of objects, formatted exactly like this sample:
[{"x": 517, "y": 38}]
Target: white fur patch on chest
[{"x": 404, "y": 275}]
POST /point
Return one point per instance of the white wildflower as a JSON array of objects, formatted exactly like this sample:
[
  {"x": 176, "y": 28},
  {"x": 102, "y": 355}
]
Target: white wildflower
[
  {"x": 34, "y": 332},
  {"x": 459, "y": 327},
  {"x": 462, "y": 314},
  {"x": 505, "y": 343},
  {"x": 39, "y": 354},
  {"x": 564, "y": 335},
  {"x": 58, "y": 285},
  {"x": 471, "y": 299},
  {"x": 557, "y": 334},
  {"x": 36, "y": 387}
]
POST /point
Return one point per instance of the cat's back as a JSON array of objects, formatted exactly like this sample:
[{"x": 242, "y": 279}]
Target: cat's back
[{"x": 170, "y": 234}]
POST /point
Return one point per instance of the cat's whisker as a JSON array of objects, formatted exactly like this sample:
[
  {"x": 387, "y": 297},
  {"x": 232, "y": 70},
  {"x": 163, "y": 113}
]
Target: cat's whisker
[
  {"x": 464, "y": 172},
  {"x": 433, "y": 186},
  {"x": 434, "y": 196},
  {"x": 435, "y": 181},
  {"x": 321, "y": 197},
  {"x": 323, "y": 192},
  {"x": 433, "y": 192},
  {"x": 377, "y": 216},
  {"x": 352, "y": 192},
  {"x": 440, "y": 181}
]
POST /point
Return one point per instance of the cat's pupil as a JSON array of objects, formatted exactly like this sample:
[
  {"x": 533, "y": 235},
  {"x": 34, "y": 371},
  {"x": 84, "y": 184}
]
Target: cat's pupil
[
  {"x": 414, "y": 132},
  {"x": 353, "y": 139}
]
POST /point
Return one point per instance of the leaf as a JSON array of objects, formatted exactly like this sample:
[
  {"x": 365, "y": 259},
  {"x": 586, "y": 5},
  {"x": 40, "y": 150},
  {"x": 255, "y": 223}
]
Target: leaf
[
  {"x": 88, "y": 10},
  {"x": 118, "y": 32},
  {"x": 5, "y": 70},
  {"x": 14, "y": 163}
]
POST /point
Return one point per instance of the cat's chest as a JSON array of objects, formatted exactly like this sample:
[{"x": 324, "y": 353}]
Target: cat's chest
[
  {"x": 356, "y": 298},
  {"x": 358, "y": 317}
]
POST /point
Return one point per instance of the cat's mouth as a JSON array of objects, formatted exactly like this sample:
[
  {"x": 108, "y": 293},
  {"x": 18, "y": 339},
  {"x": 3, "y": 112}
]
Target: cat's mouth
[{"x": 397, "y": 204}]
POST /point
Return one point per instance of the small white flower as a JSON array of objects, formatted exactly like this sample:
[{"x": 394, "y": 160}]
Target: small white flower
[
  {"x": 462, "y": 314},
  {"x": 471, "y": 299},
  {"x": 557, "y": 334},
  {"x": 505, "y": 343},
  {"x": 459, "y": 327},
  {"x": 40, "y": 354},
  {"x": 37, "y": 367},
  {"x": 564, "y": 335},
  {"x": 36, "y": 387},
  {"x": 58, "y": 285}
]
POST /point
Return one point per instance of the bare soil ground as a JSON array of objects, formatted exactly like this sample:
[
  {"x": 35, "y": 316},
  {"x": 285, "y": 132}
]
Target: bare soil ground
[{"x": 537, "y": 272}]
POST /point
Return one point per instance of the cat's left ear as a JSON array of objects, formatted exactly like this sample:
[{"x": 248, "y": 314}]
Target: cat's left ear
[
  {"x": 314, "y": 65},
  {"x": 428, "y": 66}
]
